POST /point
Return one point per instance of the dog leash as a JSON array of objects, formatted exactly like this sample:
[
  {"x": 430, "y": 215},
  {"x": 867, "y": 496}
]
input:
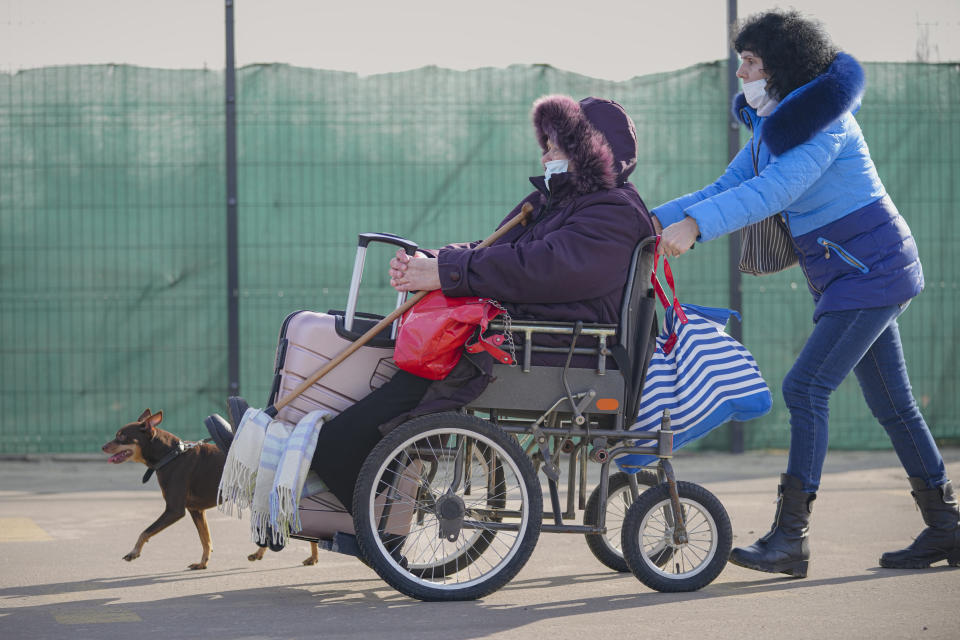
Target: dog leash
[{"x": 167, "y": 459}]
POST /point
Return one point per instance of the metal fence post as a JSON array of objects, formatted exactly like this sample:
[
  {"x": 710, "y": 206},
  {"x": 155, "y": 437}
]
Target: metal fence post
[
  {"x": 233, "y": 280},
  {"x": 733, "y": 146}
]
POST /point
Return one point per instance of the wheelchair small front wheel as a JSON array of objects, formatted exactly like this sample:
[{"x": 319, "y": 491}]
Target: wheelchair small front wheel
[
  {"x": 606, "y": 547},
  {"x": 648, "y": 528},
  {"x": 447, "y": 507}
]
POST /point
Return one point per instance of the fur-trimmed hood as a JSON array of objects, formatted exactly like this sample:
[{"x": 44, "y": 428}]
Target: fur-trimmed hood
[
  {"x": 811, "y": 108},
  {"x": 597, "y": 136}
]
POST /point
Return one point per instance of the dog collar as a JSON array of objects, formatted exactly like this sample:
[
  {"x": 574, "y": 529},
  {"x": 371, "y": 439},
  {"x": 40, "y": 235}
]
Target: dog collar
[{"x": 176, "y": 451}]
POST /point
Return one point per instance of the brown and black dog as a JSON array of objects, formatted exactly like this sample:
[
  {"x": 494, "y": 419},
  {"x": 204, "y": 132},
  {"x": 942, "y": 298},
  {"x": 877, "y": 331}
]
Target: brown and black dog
[{"x": 188, "y": 475}]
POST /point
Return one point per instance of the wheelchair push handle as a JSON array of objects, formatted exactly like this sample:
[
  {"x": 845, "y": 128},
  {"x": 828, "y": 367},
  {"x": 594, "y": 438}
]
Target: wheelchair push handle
[{"x": 520, "y": 218}]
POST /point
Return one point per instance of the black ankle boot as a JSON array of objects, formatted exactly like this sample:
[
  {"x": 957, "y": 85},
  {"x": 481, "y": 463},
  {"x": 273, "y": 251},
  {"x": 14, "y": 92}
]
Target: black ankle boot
[
  {"x": 271, "y": 542},
  {"x": 220, "y": 431},
  {"x": 236, "y": 407},
  {"x": 266, "y": 539},
  {"x": 940, "y": 540},
  {"x": 784, "y": 549}
]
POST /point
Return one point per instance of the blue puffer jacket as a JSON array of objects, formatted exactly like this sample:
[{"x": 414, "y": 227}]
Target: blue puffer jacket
[{"x": 808, "y": 159}]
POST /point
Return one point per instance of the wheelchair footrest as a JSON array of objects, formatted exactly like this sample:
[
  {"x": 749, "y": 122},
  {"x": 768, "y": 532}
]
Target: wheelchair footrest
[{"x": 342, "y": 543}]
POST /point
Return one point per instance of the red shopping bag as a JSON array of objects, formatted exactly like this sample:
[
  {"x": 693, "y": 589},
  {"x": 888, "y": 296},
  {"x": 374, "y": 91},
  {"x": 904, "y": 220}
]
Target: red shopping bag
[{"x": 434, "y": 332}]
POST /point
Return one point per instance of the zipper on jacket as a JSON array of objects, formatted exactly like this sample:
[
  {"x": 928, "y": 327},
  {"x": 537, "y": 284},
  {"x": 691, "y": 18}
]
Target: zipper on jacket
[
  {"x": 844, "y": 255},
  {"x": 802, "y": 259},
  {"x": 803, "y": 267}
]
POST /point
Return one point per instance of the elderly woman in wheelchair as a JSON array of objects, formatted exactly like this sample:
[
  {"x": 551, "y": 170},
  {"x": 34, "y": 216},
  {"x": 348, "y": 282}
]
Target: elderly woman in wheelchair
[{"x": 440, "y": 477}]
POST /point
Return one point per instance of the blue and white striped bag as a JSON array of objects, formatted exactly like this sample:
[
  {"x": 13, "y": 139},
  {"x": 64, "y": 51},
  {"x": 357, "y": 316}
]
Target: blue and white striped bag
[{"x": 702, "y": 375}]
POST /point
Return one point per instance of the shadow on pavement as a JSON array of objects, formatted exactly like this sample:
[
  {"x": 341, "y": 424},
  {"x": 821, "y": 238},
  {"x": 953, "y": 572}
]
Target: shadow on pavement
[{"x": 332, "y": 609}]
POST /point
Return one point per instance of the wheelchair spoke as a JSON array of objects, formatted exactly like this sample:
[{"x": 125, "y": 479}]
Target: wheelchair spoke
[
  {"x": 662, "y": 554},
  {"x": 465, "y": 500}
]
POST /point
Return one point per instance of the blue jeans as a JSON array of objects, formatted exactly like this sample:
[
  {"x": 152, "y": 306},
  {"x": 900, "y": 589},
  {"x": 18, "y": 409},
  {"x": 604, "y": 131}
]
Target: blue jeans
[{"x": 868, "y": 342}]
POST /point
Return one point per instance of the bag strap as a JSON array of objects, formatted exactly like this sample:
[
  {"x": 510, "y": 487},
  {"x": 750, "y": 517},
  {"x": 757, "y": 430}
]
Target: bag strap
[
  {"x": 481, "y": 342},
  {"x": 781, "y": 217},
  {"x": 491, "y": 345},
  {"x": 655, "y": 281}
]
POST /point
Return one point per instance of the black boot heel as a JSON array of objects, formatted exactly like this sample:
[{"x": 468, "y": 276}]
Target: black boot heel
[
  {"x": 797, "y": 569},
  {"x": 940, "y": 540},
  {"x": 954, "y": 558}
]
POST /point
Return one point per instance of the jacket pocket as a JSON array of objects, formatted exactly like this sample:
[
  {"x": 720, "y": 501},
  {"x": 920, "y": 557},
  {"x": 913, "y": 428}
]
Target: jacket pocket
[{"x": 846, "y": 256}]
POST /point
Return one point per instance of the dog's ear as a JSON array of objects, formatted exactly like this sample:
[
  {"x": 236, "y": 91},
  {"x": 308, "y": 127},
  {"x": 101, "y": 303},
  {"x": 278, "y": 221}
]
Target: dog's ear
[
  {"x": 144, "y": 415},
  {"x": 150, "y": 424}
]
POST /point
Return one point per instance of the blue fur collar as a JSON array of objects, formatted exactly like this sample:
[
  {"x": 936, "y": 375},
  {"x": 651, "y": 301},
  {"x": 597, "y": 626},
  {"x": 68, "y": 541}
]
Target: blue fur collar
[{"x": 811, "y": 108}]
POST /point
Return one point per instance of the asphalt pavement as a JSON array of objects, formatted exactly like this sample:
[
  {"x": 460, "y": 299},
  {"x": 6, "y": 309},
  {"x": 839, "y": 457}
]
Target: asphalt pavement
[{"x": 66, "y": 523}]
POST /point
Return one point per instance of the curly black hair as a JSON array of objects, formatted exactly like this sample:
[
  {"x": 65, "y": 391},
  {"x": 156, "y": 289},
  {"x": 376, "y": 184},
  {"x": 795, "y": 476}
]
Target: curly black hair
[{"x": 794, "y": 50}]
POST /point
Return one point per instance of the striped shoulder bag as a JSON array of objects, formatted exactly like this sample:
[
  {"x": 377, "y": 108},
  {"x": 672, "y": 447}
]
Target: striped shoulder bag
[{"x": 697, "y": 372}]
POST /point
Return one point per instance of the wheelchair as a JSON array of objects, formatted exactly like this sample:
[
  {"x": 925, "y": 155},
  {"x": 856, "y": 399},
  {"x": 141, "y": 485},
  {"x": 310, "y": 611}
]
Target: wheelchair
[{"x": 449, "y": 506}]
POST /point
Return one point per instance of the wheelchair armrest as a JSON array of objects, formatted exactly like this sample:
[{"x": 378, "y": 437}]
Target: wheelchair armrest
[{"x": 603, "y": 333}]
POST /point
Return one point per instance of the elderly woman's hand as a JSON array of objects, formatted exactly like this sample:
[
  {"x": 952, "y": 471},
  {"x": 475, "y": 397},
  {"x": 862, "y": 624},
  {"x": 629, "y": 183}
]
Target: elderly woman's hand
[
  {"x": 416, "y": 273},
  {"x": 679, "y": 237}
]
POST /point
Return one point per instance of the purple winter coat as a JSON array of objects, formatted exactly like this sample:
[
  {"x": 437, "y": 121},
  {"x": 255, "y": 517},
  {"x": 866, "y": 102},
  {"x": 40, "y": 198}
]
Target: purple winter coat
[{"x": 570, "y": 262}]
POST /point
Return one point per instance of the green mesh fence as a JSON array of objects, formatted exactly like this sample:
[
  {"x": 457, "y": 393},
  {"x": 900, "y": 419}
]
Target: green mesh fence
[
  {"x": 111, "y": 252},
  {"x": 112, "y": 223}
]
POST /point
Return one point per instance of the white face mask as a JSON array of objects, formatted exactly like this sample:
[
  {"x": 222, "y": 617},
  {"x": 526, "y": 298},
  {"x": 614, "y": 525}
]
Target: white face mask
[
  {"x": 553, "y": 167},
  {"x": 756, "y": 94}
]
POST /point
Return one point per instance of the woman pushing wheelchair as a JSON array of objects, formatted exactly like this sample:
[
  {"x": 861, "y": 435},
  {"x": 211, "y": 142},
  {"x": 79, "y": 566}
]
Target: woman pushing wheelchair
[{"x": 808, "y": 159}]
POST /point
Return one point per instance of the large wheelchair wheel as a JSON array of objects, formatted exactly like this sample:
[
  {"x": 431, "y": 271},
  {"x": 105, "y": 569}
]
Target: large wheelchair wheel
[
  {"x": 649, "y": 527},
  {"x": 475, "y": 542},
  {"x": 606, "y": 547},
  {"x": 447, "y": 507}
]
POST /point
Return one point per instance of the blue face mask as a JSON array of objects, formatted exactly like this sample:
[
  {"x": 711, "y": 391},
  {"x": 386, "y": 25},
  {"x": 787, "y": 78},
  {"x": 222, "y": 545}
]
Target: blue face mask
[{"x": 554, "y": 167}]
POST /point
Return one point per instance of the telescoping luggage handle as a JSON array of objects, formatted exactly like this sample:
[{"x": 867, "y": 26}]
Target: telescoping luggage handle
[
  {"x": 520, "y": 218},
  {"x": 365, "y": 239}
]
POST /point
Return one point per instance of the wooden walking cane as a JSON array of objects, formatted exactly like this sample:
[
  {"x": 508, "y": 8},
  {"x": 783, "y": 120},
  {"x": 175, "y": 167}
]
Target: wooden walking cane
[{"x": 520, "y": 218}]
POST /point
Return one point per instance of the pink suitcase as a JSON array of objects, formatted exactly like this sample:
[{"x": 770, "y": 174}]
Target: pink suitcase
[{"x": 308, "y": 340}]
